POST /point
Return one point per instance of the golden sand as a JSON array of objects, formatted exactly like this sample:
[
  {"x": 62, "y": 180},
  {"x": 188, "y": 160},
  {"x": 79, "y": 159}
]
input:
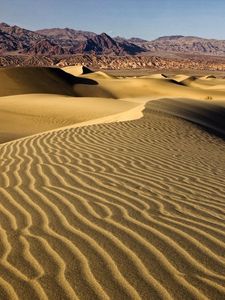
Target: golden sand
[{"x": 128, "y": 204}]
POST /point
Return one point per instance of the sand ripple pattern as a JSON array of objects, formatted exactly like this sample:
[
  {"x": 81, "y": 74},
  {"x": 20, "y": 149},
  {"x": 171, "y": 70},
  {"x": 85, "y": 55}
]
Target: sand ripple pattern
[{"x": 129, "y": 210}]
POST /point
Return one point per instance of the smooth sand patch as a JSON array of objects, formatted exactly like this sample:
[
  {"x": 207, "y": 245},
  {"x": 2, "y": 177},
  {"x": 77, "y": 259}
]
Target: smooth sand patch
[{"x": 24, "y": 115}]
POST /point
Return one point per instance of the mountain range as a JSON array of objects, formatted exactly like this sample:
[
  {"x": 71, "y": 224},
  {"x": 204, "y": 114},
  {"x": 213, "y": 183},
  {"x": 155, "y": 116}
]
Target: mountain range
[
  {"x": 56, "y": 41},
  {"x": 63, "y": 47},
  {"x": 16, "y": 40}
]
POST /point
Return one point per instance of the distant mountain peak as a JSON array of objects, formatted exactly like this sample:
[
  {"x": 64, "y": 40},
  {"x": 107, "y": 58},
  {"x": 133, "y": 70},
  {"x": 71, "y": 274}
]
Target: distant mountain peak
[
  {"x": 105, "y": 37},
  {"x": 103, "y": 34}
]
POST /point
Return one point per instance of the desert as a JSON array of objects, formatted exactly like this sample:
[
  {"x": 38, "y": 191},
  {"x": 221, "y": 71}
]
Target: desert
[
  {"x": 112, "y": 150},
  {"x": 112, "y": 187}
]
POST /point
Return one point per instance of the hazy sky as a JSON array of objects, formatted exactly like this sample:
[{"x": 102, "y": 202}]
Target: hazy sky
[{"x": 143, "y": 18}]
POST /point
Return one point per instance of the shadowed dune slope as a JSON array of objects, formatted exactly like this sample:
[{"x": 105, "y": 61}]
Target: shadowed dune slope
[
  {"x": 128, "y": 210},
  {"x": 210, "y": 114},
  {"x": 33, "y": 80},
  {"x": 29, "y": 80}
]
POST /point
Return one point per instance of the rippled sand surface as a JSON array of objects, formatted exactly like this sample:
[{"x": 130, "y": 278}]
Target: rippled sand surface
[{"x": 130, "y": 206}]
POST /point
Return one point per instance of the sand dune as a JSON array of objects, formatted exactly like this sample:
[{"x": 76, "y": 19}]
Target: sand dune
[
  {"x": 77, "y": 70},
  {"x": 156, "y": 76},
  {"x": 124, "y": 205},
  {"x": 31, "y": 105},
  {"x": 156, "y": 86},
  {"x": 27, "y": 80},
  {"x": 209, "y": 77},
  {"x": 24, "y": 115},
  {"x": 15, "y": 81},
  {"x": 205, "y": 83},
  {"x": 180, "y": 77},
  {"x": 129, "y": 210},
  {"x": 99, "y": 75}
]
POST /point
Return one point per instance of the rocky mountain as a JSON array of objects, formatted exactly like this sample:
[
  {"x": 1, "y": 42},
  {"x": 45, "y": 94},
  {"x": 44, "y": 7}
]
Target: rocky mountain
[
  {"x": 180, "y": 44},
  {"x": 56, "y": 41},
  {"x": 16, "y": 40},
  {"x": 45, "y": 47},
  {"x": 184, "y": 44},
  {"x": 104, "y": 44}
]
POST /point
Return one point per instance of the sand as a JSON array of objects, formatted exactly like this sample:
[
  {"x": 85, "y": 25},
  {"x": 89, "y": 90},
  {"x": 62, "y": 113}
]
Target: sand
[
  {"x": 128, "y": 203},
  {"x": 24, "y": 115}
]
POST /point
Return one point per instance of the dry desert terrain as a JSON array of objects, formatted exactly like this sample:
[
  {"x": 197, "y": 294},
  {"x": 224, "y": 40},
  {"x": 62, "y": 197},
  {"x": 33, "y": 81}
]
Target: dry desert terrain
[{"x": 111, "y": 187}]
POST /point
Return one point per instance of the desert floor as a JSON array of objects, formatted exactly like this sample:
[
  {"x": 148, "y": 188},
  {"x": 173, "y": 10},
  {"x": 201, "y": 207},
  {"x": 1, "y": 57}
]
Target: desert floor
[{"x": 111, "y": 187}]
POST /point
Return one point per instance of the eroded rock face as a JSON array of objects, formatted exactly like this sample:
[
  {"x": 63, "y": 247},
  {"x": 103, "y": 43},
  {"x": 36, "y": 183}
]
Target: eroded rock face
[
  {"x": 114, "y": 62},
  {"x": 45, "y": 47},
  {"x": 16, "y": 39}
]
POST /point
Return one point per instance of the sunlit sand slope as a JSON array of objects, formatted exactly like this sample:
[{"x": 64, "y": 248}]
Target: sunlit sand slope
[
  {"x": 77, "y": 70},
  {"x": 129, "y": 210},
  {"x": 24, "y": 115}
]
